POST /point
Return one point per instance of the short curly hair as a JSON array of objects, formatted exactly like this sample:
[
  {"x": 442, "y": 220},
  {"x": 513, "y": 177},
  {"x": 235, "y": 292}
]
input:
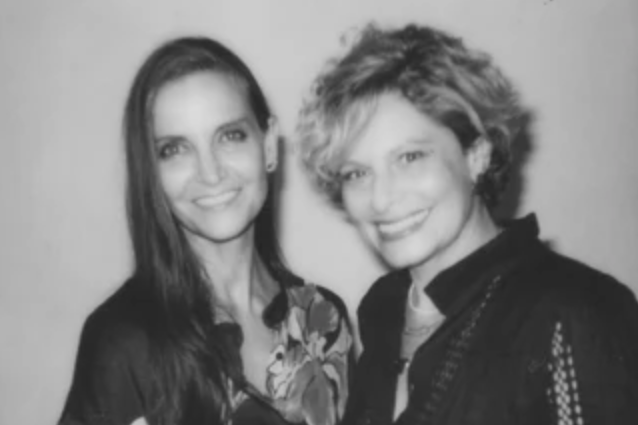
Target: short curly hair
[{"x": 458, "y": 87}]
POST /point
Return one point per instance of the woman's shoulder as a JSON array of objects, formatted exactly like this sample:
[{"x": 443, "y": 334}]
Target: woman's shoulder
[
  {"x": 310, "y": 297},
  {"x": 561, "y": 276},
  {"x": 316, "y": 310},
  {"x": 573, "y": 289},
  {"x": 117, "y": 326},
  {"x": 112, "y": 380}
]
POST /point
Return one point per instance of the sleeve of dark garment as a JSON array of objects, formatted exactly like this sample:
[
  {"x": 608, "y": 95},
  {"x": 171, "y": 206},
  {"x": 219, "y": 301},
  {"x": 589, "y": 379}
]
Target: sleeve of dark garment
[
  {"x": 377, "y": 313},
  {"x": 111, "y": 379},
  {"x": 594, "y": 351},
  {"x": 356, "y": 396},
  {"x": 356, "y": 405},
  {"x": 356, "y": 409}
]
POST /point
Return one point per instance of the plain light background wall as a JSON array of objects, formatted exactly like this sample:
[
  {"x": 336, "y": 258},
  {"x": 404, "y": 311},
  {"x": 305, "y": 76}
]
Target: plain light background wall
[{"x": 65, "y": 70}]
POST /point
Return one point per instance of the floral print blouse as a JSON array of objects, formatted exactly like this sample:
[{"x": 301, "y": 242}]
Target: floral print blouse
[
  {"x": 307, "y": 376},
  {"x": 307, "y": 372}
]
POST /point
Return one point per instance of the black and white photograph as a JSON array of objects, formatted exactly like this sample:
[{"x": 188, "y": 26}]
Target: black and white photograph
[{"x": 304, "y": 212}]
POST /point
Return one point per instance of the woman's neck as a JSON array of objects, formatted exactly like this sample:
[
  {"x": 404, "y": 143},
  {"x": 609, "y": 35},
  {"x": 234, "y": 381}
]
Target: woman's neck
[
  {"x": 240, "y": 281},
  {"x": 478, "y": 230}
]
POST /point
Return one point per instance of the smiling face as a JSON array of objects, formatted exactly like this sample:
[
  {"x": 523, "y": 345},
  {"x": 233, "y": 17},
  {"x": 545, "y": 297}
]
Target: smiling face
[
  {"x": 408, "y": 187},
  {"x": 211, "y": 155}
]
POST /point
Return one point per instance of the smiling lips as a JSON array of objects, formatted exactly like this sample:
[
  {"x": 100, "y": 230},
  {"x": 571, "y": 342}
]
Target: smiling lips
[
  {"x": 393, "y": 230},
  {"x": 217, "y": 201}
]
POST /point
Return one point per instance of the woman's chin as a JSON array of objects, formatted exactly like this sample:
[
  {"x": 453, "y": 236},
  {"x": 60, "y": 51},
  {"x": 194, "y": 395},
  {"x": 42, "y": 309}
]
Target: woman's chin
[
  {"x": 221, "y": 234},
  {"x": 406, "y": 253},
  {"x": 403, "y": 260}
]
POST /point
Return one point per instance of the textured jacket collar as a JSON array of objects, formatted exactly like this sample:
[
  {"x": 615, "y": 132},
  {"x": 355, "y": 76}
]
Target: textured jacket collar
[{"x": 454, "y": 287}]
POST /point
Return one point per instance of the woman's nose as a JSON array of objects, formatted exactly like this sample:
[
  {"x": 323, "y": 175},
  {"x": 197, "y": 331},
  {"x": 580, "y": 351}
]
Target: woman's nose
[
  {"x": 382, "y": 194},
  {"x": 209, "y": 168}
]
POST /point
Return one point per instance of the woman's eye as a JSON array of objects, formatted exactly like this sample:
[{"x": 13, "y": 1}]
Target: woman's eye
[
  {"x": 412, "y": 156},
  {"x": 351, "y": 175},
  {"x": 235, "y": 136},
  {"x": 170, "y": 149}
]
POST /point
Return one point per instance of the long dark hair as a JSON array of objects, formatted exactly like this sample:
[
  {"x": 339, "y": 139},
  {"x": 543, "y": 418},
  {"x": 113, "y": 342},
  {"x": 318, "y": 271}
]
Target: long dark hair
[{"x": 193, "y": 361}]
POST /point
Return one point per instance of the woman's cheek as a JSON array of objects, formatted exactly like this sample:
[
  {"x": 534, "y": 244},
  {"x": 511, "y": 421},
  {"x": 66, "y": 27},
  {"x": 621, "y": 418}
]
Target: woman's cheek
[{"x": 176, "y": 175}]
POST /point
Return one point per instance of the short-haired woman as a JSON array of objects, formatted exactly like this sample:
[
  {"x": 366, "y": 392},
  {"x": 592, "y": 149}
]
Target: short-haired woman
[{"x": 411, "y": 134}]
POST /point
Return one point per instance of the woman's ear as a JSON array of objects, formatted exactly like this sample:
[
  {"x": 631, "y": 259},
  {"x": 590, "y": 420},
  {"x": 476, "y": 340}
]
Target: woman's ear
[
  {"x": 271, "y": 144},
  {"x": 479, "y": 156}
]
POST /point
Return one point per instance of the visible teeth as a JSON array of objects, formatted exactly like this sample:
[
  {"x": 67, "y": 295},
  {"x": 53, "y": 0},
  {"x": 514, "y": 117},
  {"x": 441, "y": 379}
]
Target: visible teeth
[
  {"x": 213, "y": 201},
  {"x": 403, "y": 224}
]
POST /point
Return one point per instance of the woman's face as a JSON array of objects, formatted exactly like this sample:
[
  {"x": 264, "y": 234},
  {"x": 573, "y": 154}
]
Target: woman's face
[
  {"x": 211, "y": 155},
  {"x": 408, "y": 186}
]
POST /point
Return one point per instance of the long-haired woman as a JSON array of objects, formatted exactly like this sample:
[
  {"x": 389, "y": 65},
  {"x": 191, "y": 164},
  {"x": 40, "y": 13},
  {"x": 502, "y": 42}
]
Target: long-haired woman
[{"x": 212, "y": 327}]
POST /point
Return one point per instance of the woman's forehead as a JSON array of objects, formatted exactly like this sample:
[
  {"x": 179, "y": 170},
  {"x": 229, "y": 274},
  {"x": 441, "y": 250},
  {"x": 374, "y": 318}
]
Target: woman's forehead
[
  {"x": 205, "y": 96},
  {"x": 394, "y": 123}
]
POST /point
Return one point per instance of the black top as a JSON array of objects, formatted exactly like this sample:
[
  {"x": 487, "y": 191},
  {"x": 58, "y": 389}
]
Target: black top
[
  {"x": 307, "y": 376},
  {"x": 530, "y": 337}
]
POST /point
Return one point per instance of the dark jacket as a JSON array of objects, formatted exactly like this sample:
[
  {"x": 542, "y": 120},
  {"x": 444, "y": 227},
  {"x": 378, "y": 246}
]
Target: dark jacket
[
  {"x": 114, "y": 382},
  {"x": 530, "y": 337}
]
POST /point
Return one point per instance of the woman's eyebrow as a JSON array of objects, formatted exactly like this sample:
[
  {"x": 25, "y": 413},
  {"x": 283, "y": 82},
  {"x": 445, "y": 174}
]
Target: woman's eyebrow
[
  {"x": 420, "y": 141},
  {"x": 350, "y": 163},
  {"x": 416, "y": 142},
  {"x": 234, "y": 123},
  {"x": 168, "y": 138}
]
